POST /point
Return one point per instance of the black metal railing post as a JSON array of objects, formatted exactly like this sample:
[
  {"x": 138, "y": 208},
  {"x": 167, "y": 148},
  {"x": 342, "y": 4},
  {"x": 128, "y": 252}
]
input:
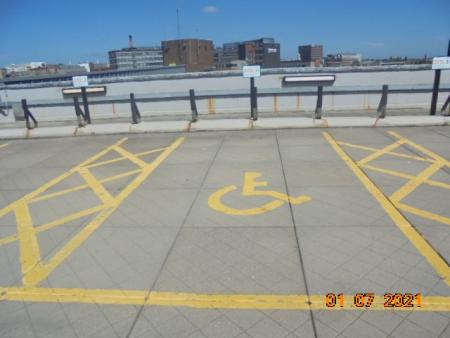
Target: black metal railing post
[
  {"x": 27, "y": 114},
  {"x": 434, "y": 97},
  {"x": 318, "y": 112},
  {"x": 193, "y": 106},
  {"x": 87, "y": 113},
  {"x": 254, "y": 103},
  {"x": 383, "y": 102},
  {"x": 80, "y": 115},
  {"x": 135, "y": 114},
  {"x": 444, "y": 107}
]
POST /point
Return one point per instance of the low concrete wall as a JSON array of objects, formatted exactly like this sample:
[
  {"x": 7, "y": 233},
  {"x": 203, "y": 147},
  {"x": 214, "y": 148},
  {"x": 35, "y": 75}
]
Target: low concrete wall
[{"x": 271, "y": 80}]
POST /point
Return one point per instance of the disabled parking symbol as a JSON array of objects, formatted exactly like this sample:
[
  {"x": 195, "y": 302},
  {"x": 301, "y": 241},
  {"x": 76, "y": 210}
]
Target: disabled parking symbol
[{"x": 249, "y": 189}]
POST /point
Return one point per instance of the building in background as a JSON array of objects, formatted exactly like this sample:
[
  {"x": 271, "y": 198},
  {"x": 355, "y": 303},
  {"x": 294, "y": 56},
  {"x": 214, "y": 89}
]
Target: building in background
[
  {"x": 23, "y": 68},
  {"x": 42, "y": 68},
  {"x": 264, "y": 52},
  {"x": 295, "y": 64},
  {"x": 135, "y": 57},
  {"x": 312, "y": 54},
  {"x": 343, "y": 59},
  {"x": 99, "y": 67},
  {"x": 197, "y": 55}
]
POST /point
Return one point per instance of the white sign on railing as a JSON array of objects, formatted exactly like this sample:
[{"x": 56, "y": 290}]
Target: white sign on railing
[
  {"x": 80, "y": 81},
  {"x": 441, "y": 62},
  {"x": 251, "y": 71}
]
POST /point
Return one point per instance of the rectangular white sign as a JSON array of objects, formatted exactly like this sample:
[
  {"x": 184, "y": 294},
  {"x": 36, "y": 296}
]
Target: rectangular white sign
[
  {"x": 80, "y": 81},
  {"x": 441, "y": 63},
  {"x": 251, "y": 71}
]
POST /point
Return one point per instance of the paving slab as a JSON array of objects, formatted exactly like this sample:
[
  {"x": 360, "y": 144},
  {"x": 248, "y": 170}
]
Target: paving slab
[{"x": 206, "y": 234}]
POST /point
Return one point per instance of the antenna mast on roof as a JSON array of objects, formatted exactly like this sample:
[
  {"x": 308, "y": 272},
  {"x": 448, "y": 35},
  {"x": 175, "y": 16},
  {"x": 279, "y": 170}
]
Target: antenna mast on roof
[
  {"x": 178, "y": 25},
  {"x": 130, "y": 41}
]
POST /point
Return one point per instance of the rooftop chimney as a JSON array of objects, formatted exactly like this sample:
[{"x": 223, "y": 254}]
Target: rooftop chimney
[{"x": 130, "y": 41}]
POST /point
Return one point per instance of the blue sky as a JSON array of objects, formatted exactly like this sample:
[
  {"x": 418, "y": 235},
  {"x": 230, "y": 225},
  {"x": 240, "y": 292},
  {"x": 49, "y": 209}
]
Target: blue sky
[{"x": 81, "y": 30}]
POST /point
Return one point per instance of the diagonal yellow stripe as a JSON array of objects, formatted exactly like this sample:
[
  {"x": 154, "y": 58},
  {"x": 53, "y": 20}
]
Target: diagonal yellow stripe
[
  {"x": 58, "y": 179},
  {"x": 405, "y": 176},
  {"x": 50, "y": 225},
  {"x": 380, "y": 152},
  {"x": 423, "y": 213},
  {"x": 415, "y": 182},
  {"x": 40, "y": 274},
  {"x": 96, "y": 186},
  {"x": 132, "y": 157},
  {"x": 122, "y": 158},
  {"x": 84, "y": 186},
  {"x": 438, "y": 263},
  {"x": 393, "y": 153},
  {"x": 422, "y": 149}
]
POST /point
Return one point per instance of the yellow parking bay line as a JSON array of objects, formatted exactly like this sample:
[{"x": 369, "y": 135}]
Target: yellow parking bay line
[
  {"x": 34, "y": 269},
  {"x": 3, "y": 145},
  {"x": 421, "y": 244},
  {"x": 380, "y": 152},
  {"x": 205, "y": 301}
]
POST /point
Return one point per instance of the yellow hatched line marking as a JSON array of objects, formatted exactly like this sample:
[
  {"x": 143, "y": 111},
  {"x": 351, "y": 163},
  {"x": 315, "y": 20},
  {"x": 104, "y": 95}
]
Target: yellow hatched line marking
[
  {"x": 34, "y": 270},
  {"x": 96, "y": 186},
  {"x": 204, "y": 301},
  {"x": 406, "y": 176},
  {"x": 118, "y": 159},
  {"x": 393, "y": 153},
  {"x": 423, "y": 213},
  {"x": 84, "y": 186},
  {"x": 133, "y": 158},
  {"x": 424, "y": 150},
  {"x": 438, "y": 263},
  {"x": 39, "y": 273},
  {"x": 60, "y": 221},
  {"x": 30, "y": 253},
  {"x": 3, "y": 145},
  {"x": 57, "y": 180},
  {"x": 415, "y": 182},
  {"x": 380, "y": 152}
]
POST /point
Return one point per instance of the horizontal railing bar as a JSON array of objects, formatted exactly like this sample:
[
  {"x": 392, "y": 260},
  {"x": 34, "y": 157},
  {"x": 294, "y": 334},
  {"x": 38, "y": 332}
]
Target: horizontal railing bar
[{"x": 229, "y": 94}]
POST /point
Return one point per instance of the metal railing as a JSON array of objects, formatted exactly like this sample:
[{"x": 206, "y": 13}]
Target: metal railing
[{"x": 83, "y": 117}]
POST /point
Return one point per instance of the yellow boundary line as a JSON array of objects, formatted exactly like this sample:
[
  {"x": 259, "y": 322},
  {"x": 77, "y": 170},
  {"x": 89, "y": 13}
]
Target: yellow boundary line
[
  {"x": 393, "y": 153},
  {"x": 204, "y": 301},
  {"x": 380, "y": 152},
  {"x": 438, "y": 263},
  {"x": 406, "y": 176},
  {"x": 3, "y": 145},
  {"x": 34, "y": 270}
]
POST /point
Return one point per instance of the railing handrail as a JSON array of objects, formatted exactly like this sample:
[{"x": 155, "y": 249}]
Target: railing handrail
[{"x": 241, "y": 93}]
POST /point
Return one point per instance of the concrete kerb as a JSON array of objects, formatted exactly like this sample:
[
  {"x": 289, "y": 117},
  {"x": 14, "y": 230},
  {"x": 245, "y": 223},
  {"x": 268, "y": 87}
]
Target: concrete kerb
[{"x": 223, "y": 124}]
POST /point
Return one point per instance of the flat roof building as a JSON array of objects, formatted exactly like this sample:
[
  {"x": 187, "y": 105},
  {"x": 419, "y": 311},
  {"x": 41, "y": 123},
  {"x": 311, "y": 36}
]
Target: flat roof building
[
  {"x": 135, "y": 57},
  {"x": 311, "y": 53},
  {"x": 264, "y": 52},
  {"x": 197, "y": 55}
]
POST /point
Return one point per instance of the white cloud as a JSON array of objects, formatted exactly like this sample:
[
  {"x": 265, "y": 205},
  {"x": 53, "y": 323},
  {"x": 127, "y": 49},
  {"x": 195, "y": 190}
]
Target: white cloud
[
  {"x": 375, "y": 44},
  {"x": 210, "y": 9}
]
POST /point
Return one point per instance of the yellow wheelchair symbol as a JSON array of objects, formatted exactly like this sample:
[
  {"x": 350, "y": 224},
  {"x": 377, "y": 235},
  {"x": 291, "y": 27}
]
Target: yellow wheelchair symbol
[{"x": 215, "y": 200}]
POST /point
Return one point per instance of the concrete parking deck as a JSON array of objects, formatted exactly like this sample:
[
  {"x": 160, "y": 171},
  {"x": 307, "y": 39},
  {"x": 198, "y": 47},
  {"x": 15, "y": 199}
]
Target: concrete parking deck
[{"x": 274, "y": 233}]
